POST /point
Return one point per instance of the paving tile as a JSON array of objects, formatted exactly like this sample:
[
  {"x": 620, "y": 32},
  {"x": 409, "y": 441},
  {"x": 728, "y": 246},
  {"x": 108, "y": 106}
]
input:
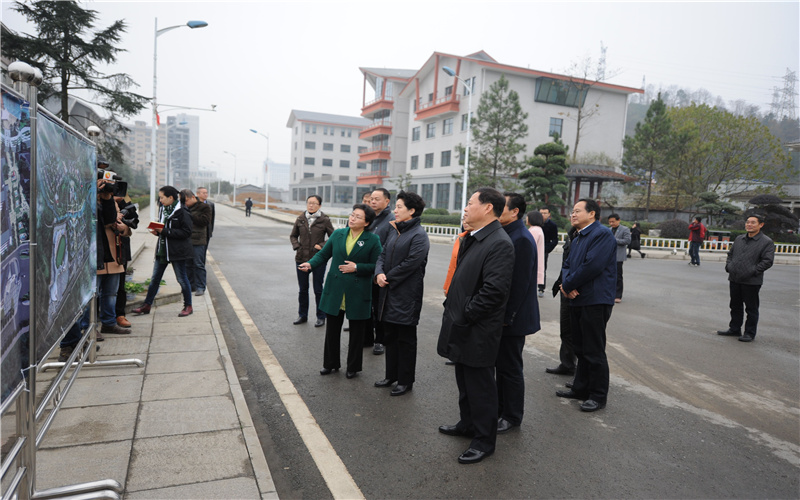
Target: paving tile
[
  {"x": 183, "y": 362},
  {"x": 187, "y": 459},
  {"x": 178, "y": 385},
  {"x": 185, "y": 343},
  {"x": 225, "y": 489},
  {"x": 123, "y": 344},
  {"x": 81, "y": 464},
  {"x": 191, "y": 328},
  {"x": 96, "y": 424},
  {"x": 112, "y": 390},
  {"x": 186, "y": 416}
]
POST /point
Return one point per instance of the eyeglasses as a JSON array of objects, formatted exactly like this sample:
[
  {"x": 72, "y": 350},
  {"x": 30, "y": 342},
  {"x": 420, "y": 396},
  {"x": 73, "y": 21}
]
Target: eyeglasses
[{"x": 356, "y": 217}]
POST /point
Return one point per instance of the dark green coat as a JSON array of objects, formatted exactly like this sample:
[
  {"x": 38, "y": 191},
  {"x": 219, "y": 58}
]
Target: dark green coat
[{"x": 357, "y": 286}]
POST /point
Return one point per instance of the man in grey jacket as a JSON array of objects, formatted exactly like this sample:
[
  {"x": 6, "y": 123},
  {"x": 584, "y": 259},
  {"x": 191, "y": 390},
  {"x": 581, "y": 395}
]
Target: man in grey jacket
[
  {"x": 623, "y": 236},
  {"x": 748, "y": 258}
]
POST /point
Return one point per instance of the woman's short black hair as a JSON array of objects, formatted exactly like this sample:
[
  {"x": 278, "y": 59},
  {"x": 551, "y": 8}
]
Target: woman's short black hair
[
  {"x": 369, "y": 213},
  {"x": 170, "y": 191},
  {"x": 412, "y": 200},
  {"x": 535, "y": 218}
]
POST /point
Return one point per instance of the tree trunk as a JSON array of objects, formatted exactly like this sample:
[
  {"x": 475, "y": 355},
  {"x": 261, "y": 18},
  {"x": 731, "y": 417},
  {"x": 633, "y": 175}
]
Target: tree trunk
[
  {"x": 578, "y": 136},
  {"x": 647, "y": 203}
]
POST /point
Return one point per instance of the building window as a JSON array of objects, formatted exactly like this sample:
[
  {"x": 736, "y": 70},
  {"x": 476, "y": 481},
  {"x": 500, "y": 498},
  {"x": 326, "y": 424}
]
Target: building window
[
  {"x": 443, "y": 196},
  {"x": 295, "y": 160},
  {"x": 344, "y": 148},
  {"x": 448, "y": 91},
  {"x": 308, "y": 128},
  {"x": 415, "y": 134},
  {"x": 327, "y": 146},
  {"x": 413, "y": 188},
  {"x": 309, "y": 160},
  {"x": 295, "y": 145},
  {"x": 445, "y": 159},
  {"x": 343, "y": 132},
  {"x": 361, "y": 165},
  {"x": 555, "y": 126},
  {"x": 344, "y": 177},
  {"x": 327, "y": 162},
  {"x": 447, "y": 126},
  {"x": 327, "y": 193},
  {"x": 362, "y": 149},
  {"x": 430, "y": 130},
  {"x": 324, "y": 130},
  {"x": 429, "y": 160},
  {"x": 557, "y": 92},
  {"x": 311, "y": 145},
  {"x": 464, "y": 122},
  {"x": 343, "y": 194},
  {"x": 414, "y": 162},
  {"x": 430, "y": 97},
  {"x": 313, "y": 129},
  {"x": 427, "y": 194},
  {"x": 296, "y": 129},
  {"x": 308, "y": 175},
  {"x": 344, "y": 163},
  {"x": 470, "y": 84},
  {"x": 349, "y": 132}
]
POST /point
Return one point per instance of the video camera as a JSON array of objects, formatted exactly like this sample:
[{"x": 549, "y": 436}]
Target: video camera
[
  {"x": 129, "y": 216},
  {"x": 111, "y": 177}
]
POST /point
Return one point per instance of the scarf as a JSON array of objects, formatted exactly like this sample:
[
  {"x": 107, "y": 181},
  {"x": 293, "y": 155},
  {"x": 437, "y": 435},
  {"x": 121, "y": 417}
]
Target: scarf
[{"x": 312, "y": 218}]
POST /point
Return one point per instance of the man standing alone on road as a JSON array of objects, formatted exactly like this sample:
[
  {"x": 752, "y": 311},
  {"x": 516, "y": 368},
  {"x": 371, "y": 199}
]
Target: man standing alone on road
[
  {"x": 521, "y": 316},
  {"x": 623, "y": 236},
  {"x": 472, "y": 323},
  {"x": 550, "y": 230},
  {"x": 588, "y": 280},
  {"x": 748, "y": 258},
  {"x": 697, "y": 233}
]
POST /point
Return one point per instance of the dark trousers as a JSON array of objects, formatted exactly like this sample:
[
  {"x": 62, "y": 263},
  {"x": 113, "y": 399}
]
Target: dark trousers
[
  {"x": 196, "y": 268},
  {"x": 374, "y": 333},
  {"x": 694, "y": 252},
  {"x": 744, "y": 298},
  {"x": 333, "y": 336},
  {"x": 619, "y": 280},
  {"x": 566, "y": 354},
  {"x": 179, "y": 267},
  {"x": 477, "y": 404},
  {"x": 510, "y": 379},
  {"x": 302, "y": 297},
  {"x": 401, "y": 352},
  {"x": 588, "y": 324}
]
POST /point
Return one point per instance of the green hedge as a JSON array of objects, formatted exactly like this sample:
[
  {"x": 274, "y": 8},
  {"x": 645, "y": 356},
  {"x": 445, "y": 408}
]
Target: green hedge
[{"x": 441, "y": 220}]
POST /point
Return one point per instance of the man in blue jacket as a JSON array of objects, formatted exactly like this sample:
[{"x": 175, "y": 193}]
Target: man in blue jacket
[
  {"x": 521, "y": 316},
  {"x": 589, "y": 280}
]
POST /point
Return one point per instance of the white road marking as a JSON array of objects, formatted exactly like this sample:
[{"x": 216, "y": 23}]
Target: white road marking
[{"x": 333, "y": 471}]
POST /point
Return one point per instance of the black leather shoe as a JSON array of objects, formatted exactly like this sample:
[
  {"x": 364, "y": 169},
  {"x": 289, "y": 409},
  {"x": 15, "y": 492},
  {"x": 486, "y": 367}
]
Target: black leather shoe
[
  {"x": 570, "y": 394},
  {"x": 746, "y": 338},
  {"x": 473, "y": 456},
  {"x": 560, "y": 370},
  {"x": 320, "y": 322},
  {"x": 449, "y": 363},
  {"x": 453, "y": 430},
  {"x": 591, "y": 405},
  {"x": 729, "y": 333},
  {"x": 399, "y": 390},
  {"x": 504, "y": 425},
  {"x": 568, "y": 385},
  {"x": 328, "y": 371},
  {"x": 378, "y": 349},
  {"x": 384, "y": 383},
  {"x": 351, "y": 374},
  {"x": 300, "y": 320}
]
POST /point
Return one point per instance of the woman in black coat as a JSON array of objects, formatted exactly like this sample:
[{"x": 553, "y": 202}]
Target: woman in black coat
[
  {"x": 636, "y": 240},
  {"x": 400, "y": 272},
  {"x": 174, "y": 247}
]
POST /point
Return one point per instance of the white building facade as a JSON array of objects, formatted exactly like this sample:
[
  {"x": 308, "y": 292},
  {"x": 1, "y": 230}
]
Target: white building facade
[{"x": 325, "y": 157}]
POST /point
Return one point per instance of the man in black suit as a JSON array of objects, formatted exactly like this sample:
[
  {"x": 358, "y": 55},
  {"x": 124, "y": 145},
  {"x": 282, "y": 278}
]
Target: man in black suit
[
  {"x": 472, "y": 324},
  {"x": 521, "y": 317}
]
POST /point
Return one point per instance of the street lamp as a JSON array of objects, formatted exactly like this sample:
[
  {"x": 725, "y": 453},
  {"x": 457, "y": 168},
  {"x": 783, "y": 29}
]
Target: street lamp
[
  {"x": 234, "y": 176},
  {"x": 266, "y": 171},
  {"x": 154, "y": 133},
  {"x": 468, "y": 87}
]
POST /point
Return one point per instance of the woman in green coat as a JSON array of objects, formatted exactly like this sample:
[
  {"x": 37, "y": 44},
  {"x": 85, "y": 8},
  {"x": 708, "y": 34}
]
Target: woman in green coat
[{"x": 348, "y": 287}]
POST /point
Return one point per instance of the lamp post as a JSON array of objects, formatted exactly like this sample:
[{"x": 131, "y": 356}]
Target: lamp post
[
  {"x": 154, "y": 133},
  {"x": 450, "y": 72},
  {"x": 266, "y": 171},
  {"x": 234, "y": 176}
]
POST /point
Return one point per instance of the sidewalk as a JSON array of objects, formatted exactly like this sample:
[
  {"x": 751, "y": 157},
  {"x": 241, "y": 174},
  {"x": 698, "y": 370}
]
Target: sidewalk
[{"x": 177, "y": 428}]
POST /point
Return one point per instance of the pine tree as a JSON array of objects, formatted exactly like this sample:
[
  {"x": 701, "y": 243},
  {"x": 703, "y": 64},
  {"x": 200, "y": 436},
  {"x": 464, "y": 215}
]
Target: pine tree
[
  {"x": 498, "y": 126},
  {"x": 544, "y": 180}
]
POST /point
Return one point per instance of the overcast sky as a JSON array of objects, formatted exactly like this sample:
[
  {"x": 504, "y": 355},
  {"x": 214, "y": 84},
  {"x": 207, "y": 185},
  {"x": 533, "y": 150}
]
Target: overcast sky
[{"x": 256, "y": 61}]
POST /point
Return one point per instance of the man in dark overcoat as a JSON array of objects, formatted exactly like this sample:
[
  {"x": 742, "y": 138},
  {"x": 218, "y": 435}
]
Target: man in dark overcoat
[
  {"x": 472, "y": 323},
  {"x": 521, "y": 317}
]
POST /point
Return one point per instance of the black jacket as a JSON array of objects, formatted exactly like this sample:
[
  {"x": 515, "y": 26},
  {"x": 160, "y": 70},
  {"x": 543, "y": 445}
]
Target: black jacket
[
  {"x": 550, "y": 230},
  {"x": 472, "y": 323},
  {"x": 403, "y": 261},
  {"x": 380, "y": 225},
  {"x": 178, "y": 233},
  {"x": 522, "y": 310}
]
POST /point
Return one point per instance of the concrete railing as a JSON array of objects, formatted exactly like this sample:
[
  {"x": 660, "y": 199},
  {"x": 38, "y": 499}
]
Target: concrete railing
[{"x": 681, "y": 245}]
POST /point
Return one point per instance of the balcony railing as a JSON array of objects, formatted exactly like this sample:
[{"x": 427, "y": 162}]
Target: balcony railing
[
  {"x": 424, "y": 105},
  {"x": 385, "y": 122},
  {"x": 376, "y": 149},
  {"x": 379, "y": 99},
  {"x": 375, "y": 173}
]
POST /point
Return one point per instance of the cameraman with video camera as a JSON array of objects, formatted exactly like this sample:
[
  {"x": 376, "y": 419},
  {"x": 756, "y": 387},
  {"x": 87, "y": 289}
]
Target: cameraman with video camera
[{"x": 131, "y": 219}]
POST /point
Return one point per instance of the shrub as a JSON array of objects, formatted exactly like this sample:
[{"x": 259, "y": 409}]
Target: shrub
[
  {"x": 440, "y": 220},
  {"x": 436, "y": 211},
  {"x": 788, "y": 238},
  {"x": 674, "y": 228}
]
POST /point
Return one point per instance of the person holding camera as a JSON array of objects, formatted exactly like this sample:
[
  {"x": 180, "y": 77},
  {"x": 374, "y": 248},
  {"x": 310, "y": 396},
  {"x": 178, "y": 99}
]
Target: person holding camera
[
  {"x": 174, "y": 233},
  {"x": 110, "y": 231},
  {"x": 131, "y": 219}
]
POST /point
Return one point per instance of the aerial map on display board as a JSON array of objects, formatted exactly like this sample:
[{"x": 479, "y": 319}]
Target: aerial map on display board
[
  {"x": 66, "y": 254},
  {"x": 14, "y": 231}
]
